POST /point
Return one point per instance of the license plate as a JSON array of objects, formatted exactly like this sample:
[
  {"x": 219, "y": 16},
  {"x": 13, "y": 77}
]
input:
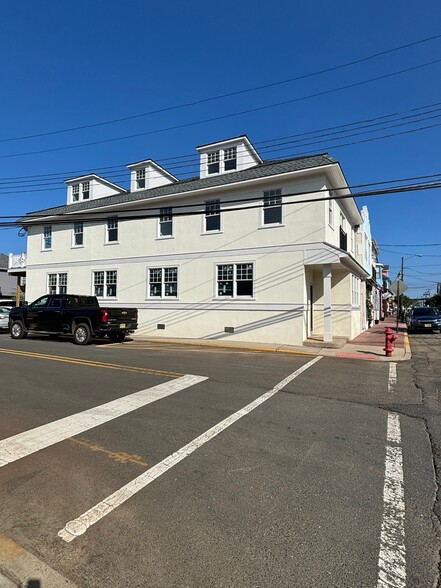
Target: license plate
[
  {"x": 427, "y": 325},
  {"x": 122, "y": 325}
]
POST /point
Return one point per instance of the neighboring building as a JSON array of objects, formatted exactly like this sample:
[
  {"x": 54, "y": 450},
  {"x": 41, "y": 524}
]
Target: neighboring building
[
  {"x": 249, "y": 250},
  {"x": 7, "y": 282}
]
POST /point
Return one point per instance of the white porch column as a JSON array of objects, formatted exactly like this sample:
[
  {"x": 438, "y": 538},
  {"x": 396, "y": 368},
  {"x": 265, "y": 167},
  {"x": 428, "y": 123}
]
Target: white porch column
[{"x": 327, "y": 318}]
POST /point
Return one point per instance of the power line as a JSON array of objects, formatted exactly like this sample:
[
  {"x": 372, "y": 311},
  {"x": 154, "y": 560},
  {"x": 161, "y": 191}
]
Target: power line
[
  {"x": 66, "y": 218},
  {"x": 192, "y": 157},
  {"x": 413, "y": 245},
  {"x": 225, "y": 116},
  {"x": 226, "y": 95}
]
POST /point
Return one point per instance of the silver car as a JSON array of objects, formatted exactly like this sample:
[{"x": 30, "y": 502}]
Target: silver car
[{"x": 4, "y": 317}]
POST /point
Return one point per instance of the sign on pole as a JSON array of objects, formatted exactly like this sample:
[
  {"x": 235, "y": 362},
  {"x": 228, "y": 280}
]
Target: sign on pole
[{"x": 398, "y": 284}]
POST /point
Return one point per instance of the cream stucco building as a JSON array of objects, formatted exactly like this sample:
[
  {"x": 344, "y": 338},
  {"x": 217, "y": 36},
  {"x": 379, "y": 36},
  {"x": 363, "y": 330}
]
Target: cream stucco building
[{"x": 251, "y": 250}]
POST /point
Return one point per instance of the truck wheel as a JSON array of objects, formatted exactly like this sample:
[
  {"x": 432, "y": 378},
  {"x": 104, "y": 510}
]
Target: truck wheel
[
  {"x": 82, "y": 334},
  {"x": 17, "y": 330},
  {"x": 117, "y": 337}
]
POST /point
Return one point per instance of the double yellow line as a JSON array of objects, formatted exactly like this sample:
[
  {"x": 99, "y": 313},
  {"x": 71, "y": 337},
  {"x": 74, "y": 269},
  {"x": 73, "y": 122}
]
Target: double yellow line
[{"x": 91, "y": 363}]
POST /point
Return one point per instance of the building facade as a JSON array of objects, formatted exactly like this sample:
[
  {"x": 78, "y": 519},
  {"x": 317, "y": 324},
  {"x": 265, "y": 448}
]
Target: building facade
[{"x": 249, "y": 250}]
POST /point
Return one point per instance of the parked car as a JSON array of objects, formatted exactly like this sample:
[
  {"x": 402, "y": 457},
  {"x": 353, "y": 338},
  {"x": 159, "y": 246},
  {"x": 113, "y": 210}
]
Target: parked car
[
  {"x": 72, "y": 314},
  {"x": 424, "y": 318},
  {"x": 4, "y": 317}
]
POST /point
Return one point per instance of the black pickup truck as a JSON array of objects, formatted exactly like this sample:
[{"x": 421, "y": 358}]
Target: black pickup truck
[{"x": 71, "y": 314}]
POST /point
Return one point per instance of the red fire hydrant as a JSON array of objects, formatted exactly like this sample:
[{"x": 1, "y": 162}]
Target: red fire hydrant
[{"x": 389, "y": 345}]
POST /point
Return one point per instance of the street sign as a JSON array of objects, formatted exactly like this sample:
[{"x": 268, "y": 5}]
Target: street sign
[{"x": 394, "y": 287}]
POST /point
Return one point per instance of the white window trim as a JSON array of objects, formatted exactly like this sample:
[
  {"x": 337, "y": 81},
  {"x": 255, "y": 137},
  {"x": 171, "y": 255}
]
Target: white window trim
[
  {"x": 158, "y": 226},
  {"x": 355, "y": 291},
  {"x": 57, "y": 286},
  {"x": 222, "y": 160},
  {"x": 106, "y": 235},
  {"x": 43, "y": 242},
  {"x": 204, "y": 218},
  {"x": 331, "y": 211},
  {"x": 104, "y": 297},
  {"x": 74, "y": 246},
  {"x": 262, "y": 212},
  {"x": 163, "y": 297},
  {"x": 234, "y": 296}
]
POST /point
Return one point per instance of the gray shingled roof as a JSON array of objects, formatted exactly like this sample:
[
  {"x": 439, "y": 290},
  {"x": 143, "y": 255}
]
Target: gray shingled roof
[{"x": 266, "y": 169}]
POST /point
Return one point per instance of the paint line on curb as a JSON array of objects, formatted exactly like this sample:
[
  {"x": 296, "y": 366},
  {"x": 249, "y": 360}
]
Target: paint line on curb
[{"x": 19, "y": 567}]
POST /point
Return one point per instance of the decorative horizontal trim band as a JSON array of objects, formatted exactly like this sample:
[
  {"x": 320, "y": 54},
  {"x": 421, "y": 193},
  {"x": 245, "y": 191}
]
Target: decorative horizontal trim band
[
  {"x": 181, "y": 257},
  {"x": 224, "y": 305}
]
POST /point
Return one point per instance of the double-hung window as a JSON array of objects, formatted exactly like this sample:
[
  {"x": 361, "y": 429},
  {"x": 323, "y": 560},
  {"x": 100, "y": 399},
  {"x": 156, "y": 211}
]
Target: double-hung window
[
  {"x": 112, "y": 229},
  {"x": 78, "y": 234},
  {"x": 213, "y": 162},
  {"x": 272, "y": 207},
  {"x": 47, "y": 237},
  {"x": 163, "y": 282},
  {"x": 165, "y": 228},
  {"x": 86, "y": 190},
  {"x": 230, "y": 158},
  {"x": 355, "y": 291},
  {"x": 57, "y": 283},
  {"x": 75, "y": 192},
  {"x": 140, "y": 179},
  {"x": 235, "y": 280},
  {"x": 331, "y": 210},
  {"x": 104, "y": 283},
  {"x": 212, "y": 216}
]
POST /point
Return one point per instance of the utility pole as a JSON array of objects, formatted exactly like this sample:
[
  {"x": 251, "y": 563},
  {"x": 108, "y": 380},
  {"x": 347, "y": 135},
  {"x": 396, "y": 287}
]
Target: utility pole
[{"x": 400, "y": 279}]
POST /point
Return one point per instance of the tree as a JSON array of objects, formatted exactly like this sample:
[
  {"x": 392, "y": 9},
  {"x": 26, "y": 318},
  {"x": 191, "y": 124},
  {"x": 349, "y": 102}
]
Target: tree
[{"x": 434, "y": 300}]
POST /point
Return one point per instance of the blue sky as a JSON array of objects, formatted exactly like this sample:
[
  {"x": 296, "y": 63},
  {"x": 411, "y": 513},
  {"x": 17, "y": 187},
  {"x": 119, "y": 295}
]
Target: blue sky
[{"x": 74, "y": 64}]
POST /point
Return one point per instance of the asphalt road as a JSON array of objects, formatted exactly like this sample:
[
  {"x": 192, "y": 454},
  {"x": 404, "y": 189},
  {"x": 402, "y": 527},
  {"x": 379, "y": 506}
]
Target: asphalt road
[{"x": 260, "y": 470}]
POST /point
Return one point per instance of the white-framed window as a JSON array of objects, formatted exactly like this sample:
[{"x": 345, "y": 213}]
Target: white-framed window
[
  {"x": 140, "y": 179},
  {"x": 355, "y": 291},
  {"x": 272, "y": 207},
  {"x": 78, "y": 234},
  {"x": 213, "y": 162},
  {"x": 212, "y": 220},
  {"x": 105, "y": 283},
  {"x": 112, "y": 229},
  {"x": 85, "y": 190},
  {"x": 162, "y": 282},
  {"x": 165, "y": 222},
  {"x": 75, "y": 192},
  {"x": 331, "y": 210},
  {"x": 230, "y": 158},
  {"x": 235, "y": 280},
  {"x": 57, "y": 283},
  {"x": 47, "y": 237}
]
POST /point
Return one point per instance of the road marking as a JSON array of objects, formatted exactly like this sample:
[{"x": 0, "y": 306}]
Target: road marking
[
  {"x": 119, "y": 456},
  {"x": 392, "y": 558},
  {"x": 92, "y": 363},
  {"x": 78, "y": 526},
  {"x": 392, "y": 382},
  {"x": 29, "y": 442}
]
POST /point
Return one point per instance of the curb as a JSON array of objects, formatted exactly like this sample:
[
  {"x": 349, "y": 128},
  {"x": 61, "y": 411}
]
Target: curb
[{"x": 18, "y": 568}]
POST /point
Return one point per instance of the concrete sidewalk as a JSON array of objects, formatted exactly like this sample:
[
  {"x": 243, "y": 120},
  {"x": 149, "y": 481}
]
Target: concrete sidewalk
[{"x": 368, "y": 345}]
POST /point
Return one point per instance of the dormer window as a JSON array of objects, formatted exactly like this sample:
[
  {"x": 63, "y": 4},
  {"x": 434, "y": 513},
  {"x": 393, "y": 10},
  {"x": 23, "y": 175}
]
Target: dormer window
[
  {"x": 140, "y": 179},
  {"x": 227, "y": 156},
  {"x": 213, "y": 159},
  {"x": 75, "y": 192},
  {"x": 86, "y": 190},
  {"x": 230, "y": 158}
]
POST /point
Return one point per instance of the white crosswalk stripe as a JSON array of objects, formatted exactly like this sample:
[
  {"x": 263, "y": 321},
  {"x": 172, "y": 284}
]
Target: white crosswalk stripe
[{"x": 23, "y": 444}]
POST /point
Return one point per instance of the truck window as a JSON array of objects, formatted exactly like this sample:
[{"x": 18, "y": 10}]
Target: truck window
[
  {"x": 40, "y": 302},
  {"x": 56, "y": 302}
]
